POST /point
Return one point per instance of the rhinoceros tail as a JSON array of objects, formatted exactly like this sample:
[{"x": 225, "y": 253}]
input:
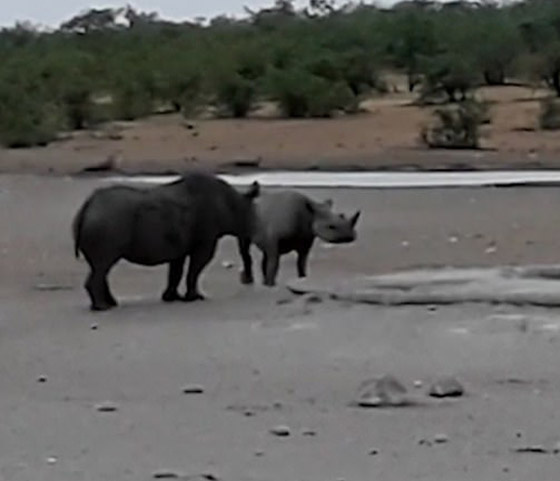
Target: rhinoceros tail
[{"x": 77, "y": 228}]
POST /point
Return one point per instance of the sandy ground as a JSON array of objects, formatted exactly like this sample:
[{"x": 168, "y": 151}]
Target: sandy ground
[
  {"x": 384, "y": 137},
  {"x": 264, "y": 363}
]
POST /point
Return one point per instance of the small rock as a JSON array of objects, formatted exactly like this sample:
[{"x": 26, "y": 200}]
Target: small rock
[
  {"x": 281, "y": 431},
  {"x": 424, "y": 442},
  {"x": 534, "y": 449},
  {"x": 371, "y": 402},
  {"x": 248, "y": 414},
  {"x": 441, "y": 438},
  {"x": 209, "y": 477},
  {"x": 193, "y": 389},
  {"x": 42, "y": 379},
  {"x": 52, "y": 460},
  {"x": 259, "y": 454},
  {"x": 94, "y": 327},
  {"x": 446, "y": 387},
  {"x": 166, "y": 475},
  {"x": 418, "y": 384},
  {"x": 453, "y": 239},
  {"x": 432, "y": 308},
  {"x": 227, "y": 265},
  {"x": 373, "y": 452},
  {"x": 556, "y": 448},
  {"x": 309, "y": 433},
  {"x": 106, "y": 407},
  {"x": 387, "y": 391},
  {"x": 205, "y": 476},
  {"x": 491, "y": 249}
]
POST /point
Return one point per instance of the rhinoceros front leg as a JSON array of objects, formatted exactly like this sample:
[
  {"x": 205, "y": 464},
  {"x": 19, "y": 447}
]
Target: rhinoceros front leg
[
  {"x": 270, "y": 265},
  {"x": 199, "y": 259},
  {"x": 174, "y": 274},
  {"x": 302, "y": 257},
  {"x": 245, "y": 252}
]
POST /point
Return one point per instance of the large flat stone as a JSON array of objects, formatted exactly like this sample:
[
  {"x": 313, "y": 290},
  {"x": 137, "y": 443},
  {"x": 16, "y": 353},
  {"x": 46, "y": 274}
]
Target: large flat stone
[{"x": 528, "y": 285}]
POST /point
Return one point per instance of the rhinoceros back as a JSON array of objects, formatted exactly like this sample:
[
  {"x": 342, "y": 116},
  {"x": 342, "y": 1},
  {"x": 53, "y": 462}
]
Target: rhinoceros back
[{"x": 283, "y": 215}]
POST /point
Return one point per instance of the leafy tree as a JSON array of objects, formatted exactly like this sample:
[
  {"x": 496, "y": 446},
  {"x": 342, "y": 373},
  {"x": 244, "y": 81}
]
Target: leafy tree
[
  {"x": 498, "y": 44},
  {"x": 314, "y": 62},
  {"x": 448, "y": 74},
  {"x": 414, "y": 39},
  {"x": 303, "y": 94}
]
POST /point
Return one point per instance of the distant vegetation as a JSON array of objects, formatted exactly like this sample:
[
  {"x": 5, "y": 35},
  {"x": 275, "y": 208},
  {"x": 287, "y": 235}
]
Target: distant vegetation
[{"x": 320, "y": 61}]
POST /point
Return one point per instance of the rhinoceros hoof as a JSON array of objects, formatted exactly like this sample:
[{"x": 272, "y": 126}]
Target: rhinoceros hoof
[
  {"x": 100, "y": 307},
  {"x": 246, "y": 279},
  {"x": 170, "y": 296},
  {"x": 193, "y": 296}
]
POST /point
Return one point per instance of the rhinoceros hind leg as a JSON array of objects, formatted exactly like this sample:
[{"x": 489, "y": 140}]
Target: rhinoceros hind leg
[
  {"x": 199, "y": 259},
  {"x": 270, "y": 266},
  {"x": 97, "y": 287},
  {"x": 174, "y": 274}
]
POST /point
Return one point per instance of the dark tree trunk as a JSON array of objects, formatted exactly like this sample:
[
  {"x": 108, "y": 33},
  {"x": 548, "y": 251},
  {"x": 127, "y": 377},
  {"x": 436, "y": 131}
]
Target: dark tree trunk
[
  {"x": 494, "y": 77},
  {"x": 450, "y": 91},
  {"x": 556, "y": 81}
]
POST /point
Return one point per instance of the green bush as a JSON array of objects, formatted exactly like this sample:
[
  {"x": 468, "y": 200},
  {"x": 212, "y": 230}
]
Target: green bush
[
  {"x": 448, "y": 76},
  {"x": 312, "y": 65},
  {"x": 28, "y": 122},
  {"x": 302, "y": 94},
  {"x": 456, "y": 126},
  {"x": 68, "y": 78},
  {"x": 78, "y": 109},
  {"x": 179, "y": 84},
  {"x": 236, "y": 95},
  {"x": 131, "y": 101}
]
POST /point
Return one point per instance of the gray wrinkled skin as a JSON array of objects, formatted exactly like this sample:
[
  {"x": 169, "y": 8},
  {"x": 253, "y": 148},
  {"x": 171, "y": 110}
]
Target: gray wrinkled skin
[
  {"x": 290, "y": 221},
  {"x": 162, "y": 225}
]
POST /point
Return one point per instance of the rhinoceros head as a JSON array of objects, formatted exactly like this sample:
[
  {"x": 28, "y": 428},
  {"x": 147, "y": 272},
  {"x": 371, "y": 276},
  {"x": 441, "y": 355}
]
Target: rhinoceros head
[{"x": 331, "y": 226}]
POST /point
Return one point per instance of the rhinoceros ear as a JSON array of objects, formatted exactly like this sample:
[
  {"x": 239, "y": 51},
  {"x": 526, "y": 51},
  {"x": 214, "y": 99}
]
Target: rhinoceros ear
[
  {"x": 253, "y": 191},
  {"x": 328, "y": 203},
  {"x": 354, "y": 218}
]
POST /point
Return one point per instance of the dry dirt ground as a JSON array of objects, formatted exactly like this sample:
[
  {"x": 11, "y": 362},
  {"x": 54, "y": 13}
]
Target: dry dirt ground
[
  {"x": 384, "y": 137},
  {"x": 265, "y": 363}
]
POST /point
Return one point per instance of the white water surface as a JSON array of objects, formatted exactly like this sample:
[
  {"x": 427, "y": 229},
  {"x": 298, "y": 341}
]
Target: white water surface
[{"x": 374, "y": 179}]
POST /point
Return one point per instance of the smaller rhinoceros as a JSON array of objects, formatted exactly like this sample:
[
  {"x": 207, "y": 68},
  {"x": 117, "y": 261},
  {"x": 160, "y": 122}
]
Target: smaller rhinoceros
[{"x": 289, "y": 221}]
